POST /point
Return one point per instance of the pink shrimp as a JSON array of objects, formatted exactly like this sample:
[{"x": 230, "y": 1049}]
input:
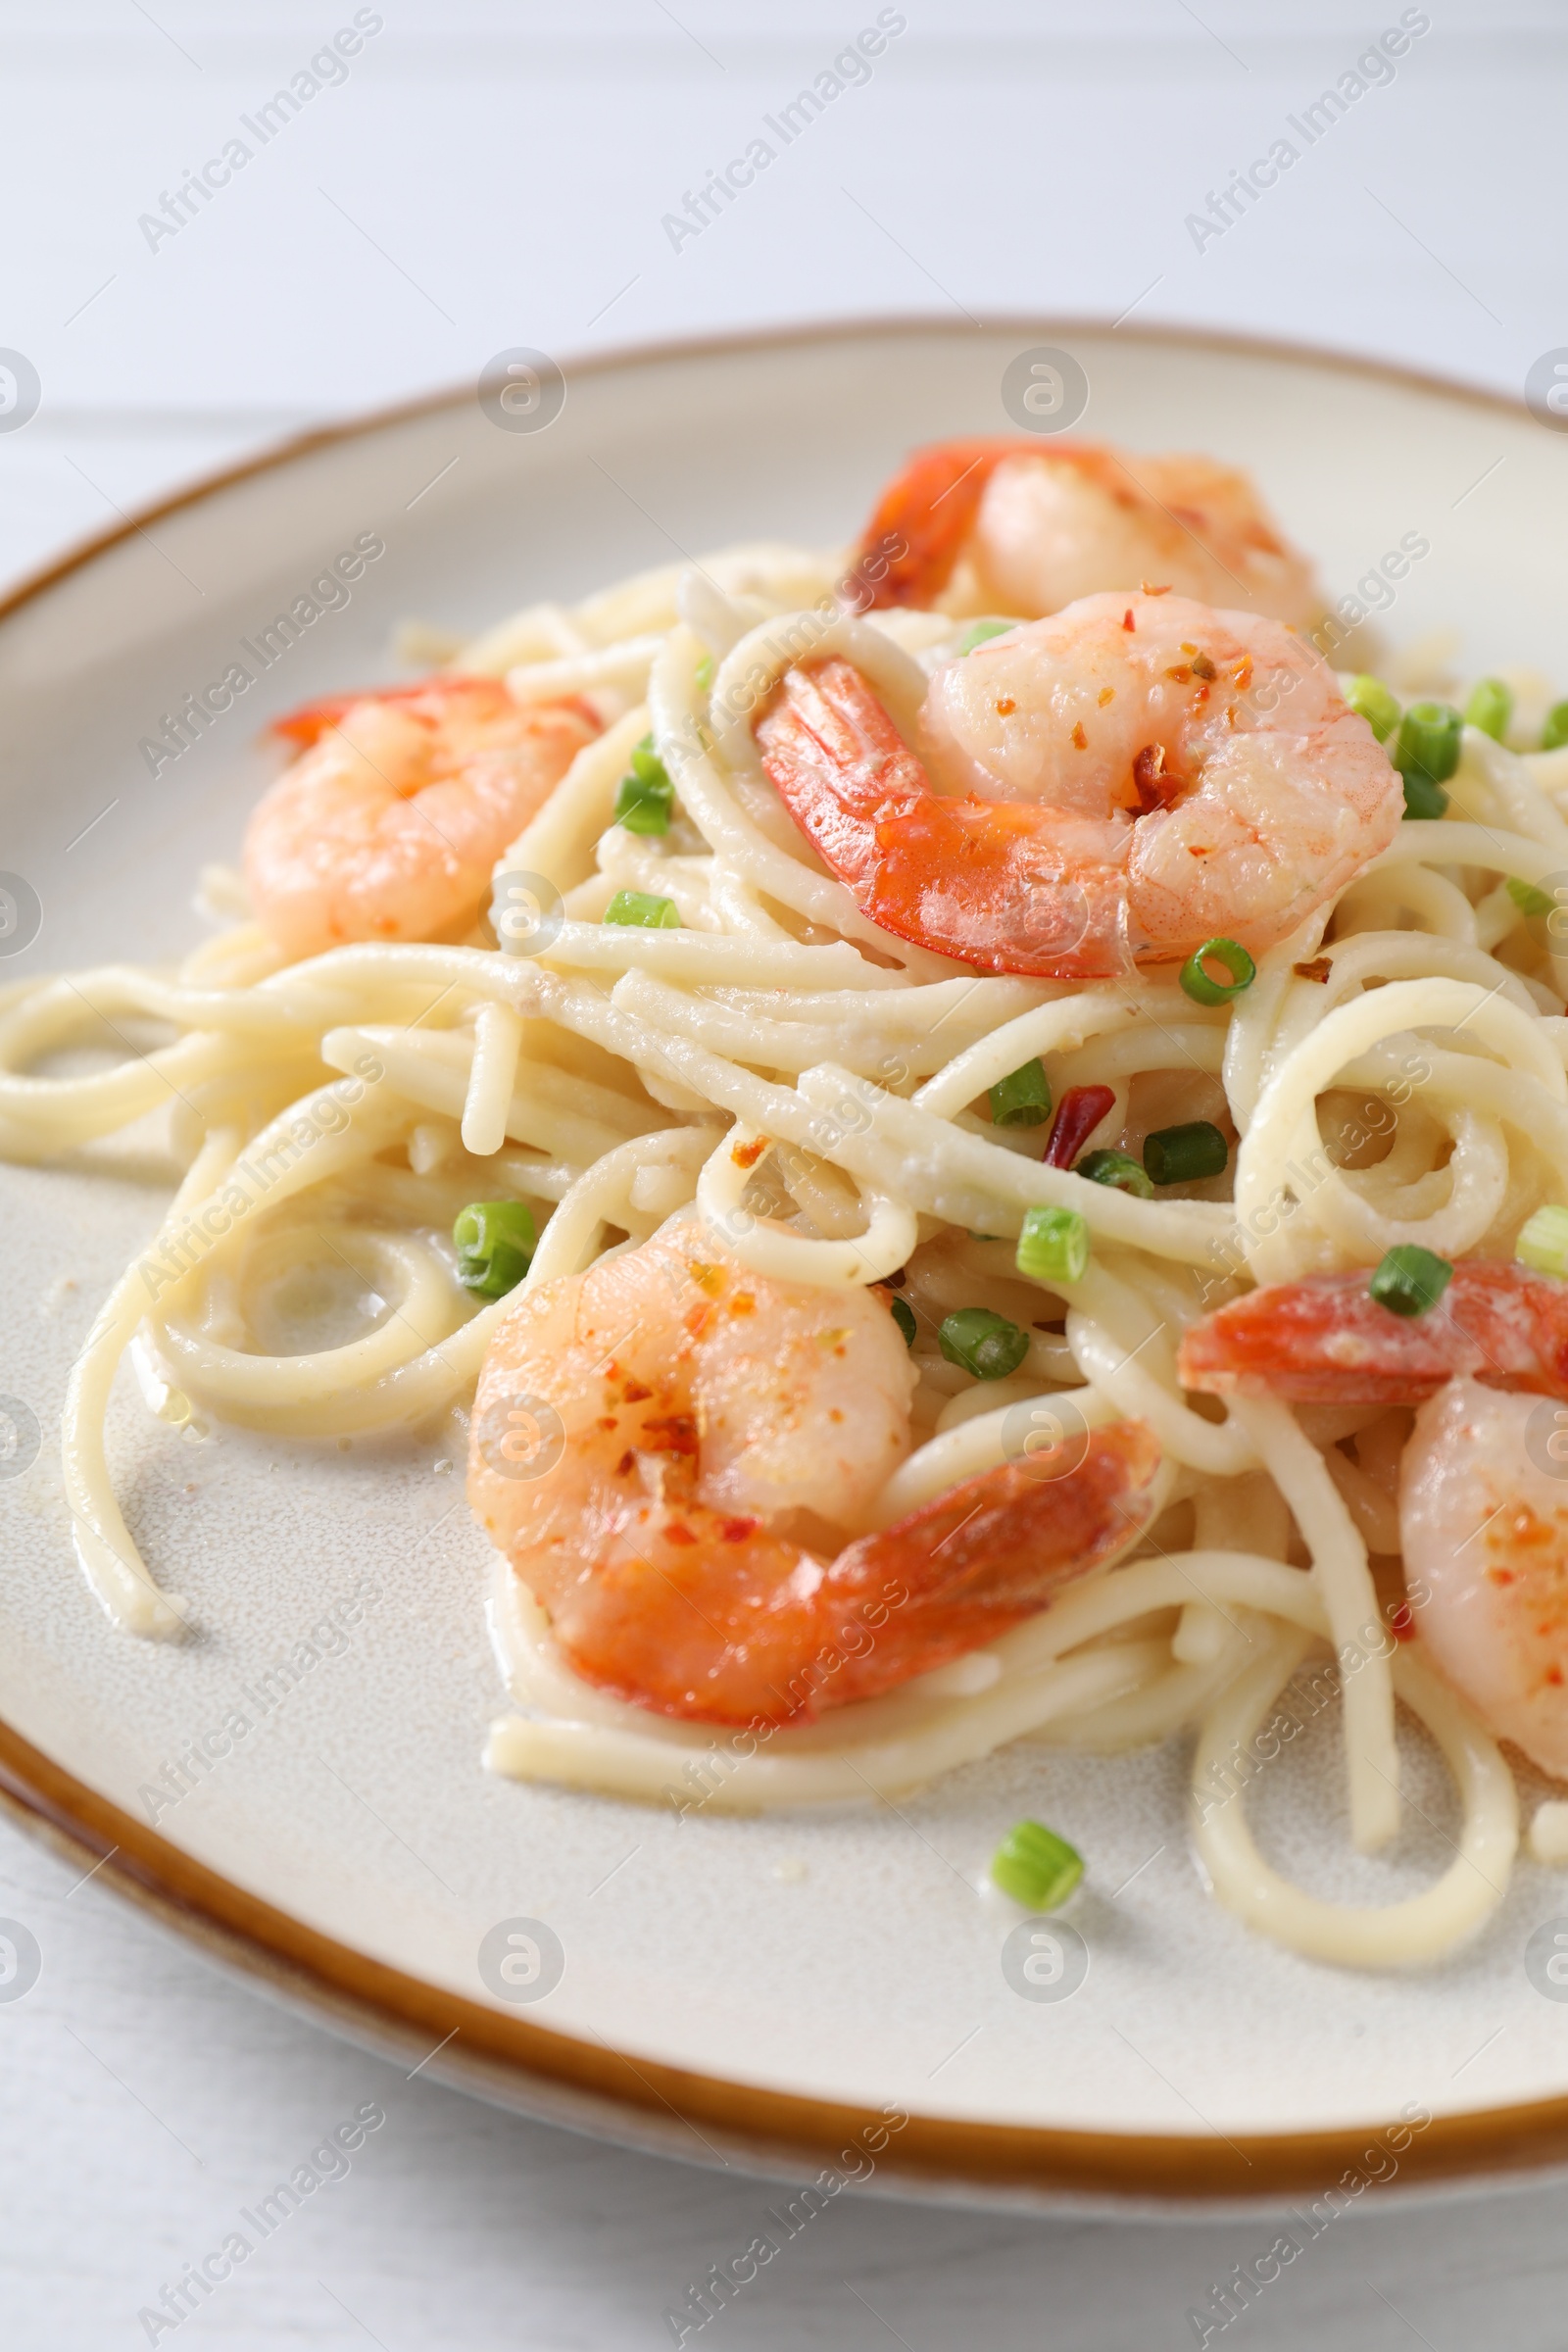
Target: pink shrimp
[
  {"x": 669, "y": 1447},
  {"x": 1118, "y": 783},
  {"x": 1327, "y": 1341},
  {"x": 1483, "y": 1477},
  {"x": 389, "y": 824},
  {"x": 1044, "y": 525}
]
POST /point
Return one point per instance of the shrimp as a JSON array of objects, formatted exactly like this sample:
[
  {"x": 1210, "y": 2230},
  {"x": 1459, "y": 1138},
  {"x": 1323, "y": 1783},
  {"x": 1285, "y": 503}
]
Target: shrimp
[
  {"x": 390, "y": 822},
  {"x": 1043, "y": 526},
  {"x": 1483, "y": 1478},
  {"x": 1118, "y": 783},
  {"x": 712, "y": 1435},
  {"x": 1483, "y": 1519},
  {"x": 1327, "y": 1341}
]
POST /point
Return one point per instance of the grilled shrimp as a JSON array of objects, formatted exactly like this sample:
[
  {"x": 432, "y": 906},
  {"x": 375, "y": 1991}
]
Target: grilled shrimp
[
  {"x": 1483, "y": 1477},
  {"x": 1118, "y": 783},
  {"x": 1041, "y": 527},
  {"x": 389, "y": 824},
  {"x": 669, "y": 1448}
]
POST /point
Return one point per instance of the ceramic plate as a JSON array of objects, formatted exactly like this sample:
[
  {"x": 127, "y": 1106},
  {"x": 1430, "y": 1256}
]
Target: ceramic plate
[{"x": 769, "y": 1989}]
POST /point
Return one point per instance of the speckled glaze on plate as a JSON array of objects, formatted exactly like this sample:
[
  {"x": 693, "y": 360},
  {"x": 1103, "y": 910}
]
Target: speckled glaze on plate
[{"x": 762, "y": 1991}]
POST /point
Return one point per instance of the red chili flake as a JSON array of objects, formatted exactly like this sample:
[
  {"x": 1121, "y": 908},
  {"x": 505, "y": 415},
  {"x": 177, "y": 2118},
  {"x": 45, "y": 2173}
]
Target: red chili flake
[
  {"x": 677, "y": 1531},
  {"x": 1156, "y": 785},
  {"x": 1007, "y": 706},
  {"x": 742, "y": 1303},
  {"x": 1553, "y": 1675},
  {"x": 671, "y": 1433},
  {"x": 1079, "y": 1113},
  {"x": 1149, "y": 590},
  {"x": 626, "y": 1464},
  {"x": 635, "y": 1394},
  {"x": 1401, "y": 1622},
  {"x": 1108, "y": 694},
  {"x": 1079, "y": 737},
  {"x": 608, "y": 1421},
  {"x": 1181, "y": 674},
  {"x": 737, "y": 1531},
  {"x": 1243, "y": 673},
  {"x": 1127, "y": 618},
  {"x": 747, "y": 1156},
  {"x": 1318, "y": 968}
]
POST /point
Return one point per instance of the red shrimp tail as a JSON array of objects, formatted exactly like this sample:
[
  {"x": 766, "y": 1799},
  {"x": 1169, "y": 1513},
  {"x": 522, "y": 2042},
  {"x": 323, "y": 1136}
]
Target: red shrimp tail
[
  {"x": 838, "y": 763},
  {"x": 1327, "y": 1341},
  {"x": 916, "y": 534},
  {"x": 1003, "y": 886},
  {"x": 310, "y": 721},
  {"x": 721, "y": 1620},
  {"x": 977, "y": 1561}
]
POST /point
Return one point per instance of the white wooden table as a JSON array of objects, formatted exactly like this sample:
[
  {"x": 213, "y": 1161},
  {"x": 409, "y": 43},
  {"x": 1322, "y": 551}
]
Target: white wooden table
[{"x": 481, "y": 176}]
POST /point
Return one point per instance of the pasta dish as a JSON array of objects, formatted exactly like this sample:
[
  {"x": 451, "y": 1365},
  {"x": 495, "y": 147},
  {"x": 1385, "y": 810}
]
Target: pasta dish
[{"x": 974, "y": 1134}]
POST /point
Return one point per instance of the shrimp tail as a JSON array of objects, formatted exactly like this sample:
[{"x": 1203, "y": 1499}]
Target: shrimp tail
[
  {"x": 912, "y": 541},
  {"x": 718, "y": 1619},
  {"x": 1327, "y": 1341},
  {"x": 981, "y": 1558},
  {"x": 1006, "y": 886}
]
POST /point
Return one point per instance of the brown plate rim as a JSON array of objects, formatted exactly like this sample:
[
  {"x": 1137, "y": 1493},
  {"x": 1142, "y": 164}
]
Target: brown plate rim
[{"x": 520, "y": 2062}]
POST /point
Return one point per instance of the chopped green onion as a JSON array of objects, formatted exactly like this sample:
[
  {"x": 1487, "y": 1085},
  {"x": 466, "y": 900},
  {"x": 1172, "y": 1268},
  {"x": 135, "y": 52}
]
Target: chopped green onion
[
  {"x": 1377, "y": 706},
  {"x": 1426, "y": 754},
  {"x": 1555, "y": 731},
  {"x": 1232, "y": 959},
  {"x": 1054, "y": 1246},
  {"x": 1489, "y": 707},
  {"x": 1423, "y": 798},
  {"x": 1023, "y": 1097},
  {"x": 984, "y": 1344},
  {"x": 979, "y": 631},
  {"x": 643, "y": 807},
  {"x": 1544, "y": 1242},
  {"x": 1411, "y": 1279},
  {"x": 1118, "y": 1168},
  {"x": 645, "y": 795},
  {"x": 640, "y": 907},
  {"x": 495, "y": 1243},
  {"x": 903, "y": 1317},
  {"x": 705, "y": 672},
  {"x": 1186, "y": 1155},
  {"x": 1528, "y": 899},
  {"x": 1036, "y": 1867}
]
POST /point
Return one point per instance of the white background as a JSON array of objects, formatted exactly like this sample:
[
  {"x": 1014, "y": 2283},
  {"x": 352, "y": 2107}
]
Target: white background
[{"x": 489, "y": 177}]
